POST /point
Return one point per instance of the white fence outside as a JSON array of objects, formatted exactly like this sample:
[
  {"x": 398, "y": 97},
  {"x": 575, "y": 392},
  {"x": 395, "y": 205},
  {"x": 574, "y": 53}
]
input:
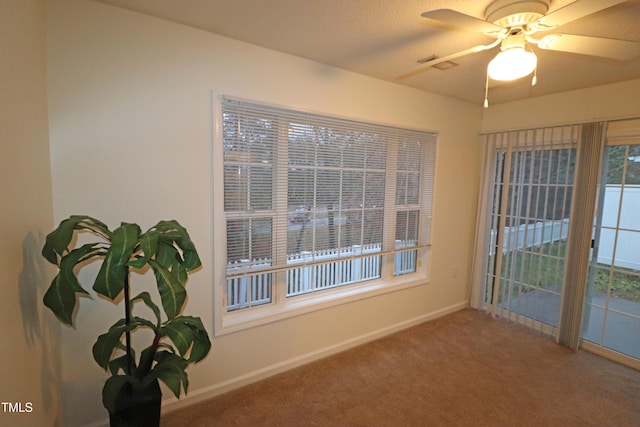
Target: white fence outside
[
  {"x": 627, "y": 245},
  {"x": 332, "y": 274},
  {"x": 249, "y": 291},
  {"x": 531, "y": 235},
  {"x": 626, "y": 241}
]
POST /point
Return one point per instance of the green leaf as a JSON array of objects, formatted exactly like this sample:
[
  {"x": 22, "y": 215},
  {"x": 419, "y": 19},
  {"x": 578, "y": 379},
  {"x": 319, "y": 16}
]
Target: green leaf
[
  {"x": 109, "y": 341},
  {"x": 172, "y": 232},
  {"x": 167, "y": 255},
  {"x": 106, "y": 343},
  {"x": 112, "y": 388},
  {"x": 146, "y": 360},
  {"x": 78, "y": 255},
  {"x": 180, "y": 334},
  {"x": 61, "y": 295},
  {"x": 61, "y": 299},
  {"x": 57, "y": 242},
  {"x": 172, "y": 293},
  {"x": 137, "y": 322},
  {"x": 181, "y": 274},
  {"x": 93, "y": 225},
  {"x": 114, "y": 270},
  {"x": 148, "y": 247},
  {"x": 186, "y": 333},
  {"x": 171, "y": 370},
  {"x": 146, "y": 298},
  {"x": 201, "y": 343},
  {"x": 120, "y": 363},
  {"x": 169, "y": 347}
]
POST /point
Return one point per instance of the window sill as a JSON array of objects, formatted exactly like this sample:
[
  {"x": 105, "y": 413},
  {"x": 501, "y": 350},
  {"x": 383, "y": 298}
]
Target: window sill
[{"x": 302, "y": 304}]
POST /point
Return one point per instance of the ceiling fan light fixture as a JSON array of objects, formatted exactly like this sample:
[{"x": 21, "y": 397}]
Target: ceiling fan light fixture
[{"x": 512, "y": 63}]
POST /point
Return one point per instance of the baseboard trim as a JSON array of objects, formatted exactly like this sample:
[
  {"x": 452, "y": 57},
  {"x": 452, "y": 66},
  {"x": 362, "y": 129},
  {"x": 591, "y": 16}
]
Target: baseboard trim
[{"x": 206, "y": 393}]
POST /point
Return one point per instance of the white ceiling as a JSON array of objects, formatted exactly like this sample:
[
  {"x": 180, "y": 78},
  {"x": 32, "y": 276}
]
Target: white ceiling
[{"x": 385, "y": 38}]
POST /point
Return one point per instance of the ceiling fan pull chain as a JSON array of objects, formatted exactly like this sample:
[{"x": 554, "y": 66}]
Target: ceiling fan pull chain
[
  {"x": 534, "y": 79},
  {"x": 486, "y": 92}
]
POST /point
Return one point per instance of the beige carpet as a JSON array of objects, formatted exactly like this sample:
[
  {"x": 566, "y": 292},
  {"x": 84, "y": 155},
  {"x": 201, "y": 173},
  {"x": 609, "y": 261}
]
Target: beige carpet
[{"x": 464, "y": 369}]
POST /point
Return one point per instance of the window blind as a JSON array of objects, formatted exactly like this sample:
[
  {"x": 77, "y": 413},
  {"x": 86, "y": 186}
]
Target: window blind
[
  {"x": 592, "y": 138},
  {"x": 302, "y": 188}
]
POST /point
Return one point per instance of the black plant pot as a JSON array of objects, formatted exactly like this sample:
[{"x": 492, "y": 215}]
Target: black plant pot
[{"x": 137, "y": 409}]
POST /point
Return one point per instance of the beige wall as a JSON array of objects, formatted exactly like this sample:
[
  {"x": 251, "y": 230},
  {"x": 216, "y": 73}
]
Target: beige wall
[
  {"x": 30, "y": 370},
  {"x": 130, "y": 141},
  {"x": 614, "y": 101},
  {"x": 129, "y": 111}
]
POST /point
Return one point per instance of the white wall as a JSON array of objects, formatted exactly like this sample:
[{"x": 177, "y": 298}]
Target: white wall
[
  {"x": 130, "y": 141},
  {"x": 29, "y": 368},
  {"x": 608, "y": 102}
]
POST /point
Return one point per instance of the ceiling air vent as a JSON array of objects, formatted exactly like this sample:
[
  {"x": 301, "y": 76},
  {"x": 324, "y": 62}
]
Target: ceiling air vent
[{"x": 441, "y": 66}]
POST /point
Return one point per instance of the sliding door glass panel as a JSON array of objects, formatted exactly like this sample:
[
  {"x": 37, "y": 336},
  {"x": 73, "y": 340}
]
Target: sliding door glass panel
[
  {"x": 611, "y": 315},
  {"x": 532, "y": 191}
]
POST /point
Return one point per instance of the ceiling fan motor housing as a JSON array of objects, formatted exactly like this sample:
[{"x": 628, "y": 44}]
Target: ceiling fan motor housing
[
  {"x": 516, "y": 13},
  {"x": 513, "y": 40}
]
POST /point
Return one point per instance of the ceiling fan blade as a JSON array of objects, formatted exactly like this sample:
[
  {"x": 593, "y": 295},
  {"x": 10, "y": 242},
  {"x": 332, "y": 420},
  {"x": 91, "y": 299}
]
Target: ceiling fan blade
[
  {"x": 573, "y": 11},
  {"x": 595, "y": 46},
  {"x": 460, "y": 20},
  {"x": 427, "y": 65}
]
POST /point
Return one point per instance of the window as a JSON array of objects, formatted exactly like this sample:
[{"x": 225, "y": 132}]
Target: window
[{"x": 316, "y": 203}]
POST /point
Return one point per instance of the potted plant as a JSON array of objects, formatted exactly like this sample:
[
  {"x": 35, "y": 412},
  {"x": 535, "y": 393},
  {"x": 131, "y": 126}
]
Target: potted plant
[{"x": 131, "y": 394}]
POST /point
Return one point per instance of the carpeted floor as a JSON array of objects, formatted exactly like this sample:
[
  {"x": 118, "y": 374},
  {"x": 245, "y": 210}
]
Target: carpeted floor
[{"x": 464, "y": 369}]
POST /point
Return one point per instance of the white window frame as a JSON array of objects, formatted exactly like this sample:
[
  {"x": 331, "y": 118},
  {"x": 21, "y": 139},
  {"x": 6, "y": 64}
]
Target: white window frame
[{"x": 282, "y": 307}]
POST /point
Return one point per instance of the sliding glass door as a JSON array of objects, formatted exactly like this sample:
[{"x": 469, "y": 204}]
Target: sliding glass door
[
  {"x": 611, "y": 317},
  {"x": 558, "y": 240},
  {"x": 531, "y": 192}
]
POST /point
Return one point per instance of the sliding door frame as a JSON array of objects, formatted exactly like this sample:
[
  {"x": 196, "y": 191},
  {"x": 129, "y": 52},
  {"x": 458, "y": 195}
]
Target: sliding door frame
[
  {"x": 592, "y": 139},
  {"x": 580, "y": 137}
]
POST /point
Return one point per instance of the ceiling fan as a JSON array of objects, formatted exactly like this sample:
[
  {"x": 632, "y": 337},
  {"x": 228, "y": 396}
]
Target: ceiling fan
[{"x": 515, "y": 24}]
